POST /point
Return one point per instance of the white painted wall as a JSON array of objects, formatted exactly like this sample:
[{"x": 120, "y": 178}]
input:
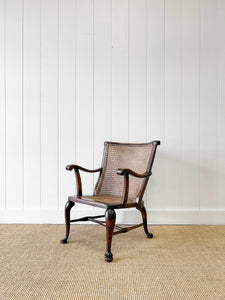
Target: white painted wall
[{"x": 74, "y": 73}]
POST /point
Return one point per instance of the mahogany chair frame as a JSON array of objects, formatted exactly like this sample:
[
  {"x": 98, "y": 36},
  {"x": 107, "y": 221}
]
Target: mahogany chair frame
[{"x": 110, "y": 215}]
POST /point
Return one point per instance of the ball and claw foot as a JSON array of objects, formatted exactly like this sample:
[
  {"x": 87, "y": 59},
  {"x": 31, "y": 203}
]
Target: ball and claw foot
[
  {"x": 149, "y": 235},
  {"x": 108, "y": 256},
  {"x": 64, "y": 240}
]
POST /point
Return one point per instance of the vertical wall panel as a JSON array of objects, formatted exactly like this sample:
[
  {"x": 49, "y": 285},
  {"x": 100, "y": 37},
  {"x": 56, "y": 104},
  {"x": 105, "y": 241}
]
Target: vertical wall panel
[
  {"x": 155, "y": 98},
  {"x": 221, "y": 104},
  {"x": 49, "y": 104},
  {"x": 208, "y": 106},
  {"x": 14, "y": 105},
  {"x": 67, "y": 54},
  {"x": 102, "y": 77},
  {"x": 173, "y": 103},
  {"x": 137, "y": 71},
  {"x": 2, "y": 104},
  {"x": 84, "y": 90},
  {"x": 120, "y": 19},
  {"x": 31, "y": 103},
  {"x": 74, "y": 73},
  {"x": 190, "y": 113}
]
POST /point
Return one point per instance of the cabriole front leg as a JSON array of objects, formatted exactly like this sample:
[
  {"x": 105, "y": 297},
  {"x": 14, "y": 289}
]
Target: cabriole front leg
[
  {"x": 144, "y": 217},
  {"x": 68, "y": 206},
  {"x": 110, "y": 217}
]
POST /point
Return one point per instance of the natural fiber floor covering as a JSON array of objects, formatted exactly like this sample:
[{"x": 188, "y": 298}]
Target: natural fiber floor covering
[{"x": 180, "y": 262}]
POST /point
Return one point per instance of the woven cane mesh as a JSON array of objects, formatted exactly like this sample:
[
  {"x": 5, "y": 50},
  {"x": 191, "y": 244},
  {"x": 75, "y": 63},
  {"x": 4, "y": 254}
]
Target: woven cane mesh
[
  {"x": 135, "y": 157},
  {"x": 108, "y": 199}
]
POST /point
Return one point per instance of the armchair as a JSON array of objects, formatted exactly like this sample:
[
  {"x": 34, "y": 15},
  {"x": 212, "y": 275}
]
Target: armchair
[{"x": 117, "y": 187}]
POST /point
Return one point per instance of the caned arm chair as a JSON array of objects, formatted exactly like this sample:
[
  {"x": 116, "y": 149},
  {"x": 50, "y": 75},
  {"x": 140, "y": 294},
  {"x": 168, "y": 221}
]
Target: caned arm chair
[{"x": 122, "y": 180}]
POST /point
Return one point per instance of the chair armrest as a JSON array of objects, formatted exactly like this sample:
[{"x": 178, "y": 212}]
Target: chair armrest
[
  {"x": 131, "y": 172},
  {"x": 126, "y": 173},
  {"x": 76, "y": 167}
]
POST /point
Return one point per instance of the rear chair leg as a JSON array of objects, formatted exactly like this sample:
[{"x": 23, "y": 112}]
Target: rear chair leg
[
  {"x": 68, "y": 206},
  {"x": 110, "y": 217},
  {"x": 144, "y": 217}
]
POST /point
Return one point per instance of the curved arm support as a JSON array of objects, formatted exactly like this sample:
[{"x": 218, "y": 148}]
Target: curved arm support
[
  {"x": 76, "y": 169},
  {"x": 78, "y": 182},
  {"x": 126, "y": 173},
  {"x": 131, "y": 172},
  {"x": 125, "y": 188}
]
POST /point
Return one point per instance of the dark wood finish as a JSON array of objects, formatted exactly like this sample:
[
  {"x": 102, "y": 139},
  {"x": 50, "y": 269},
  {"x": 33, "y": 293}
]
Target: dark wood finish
[
  {"x": 126, "y": 229},
  {"x": 155, "y": 143},
  {"x": 131, "y": 172},
  {"x": 68, "y": 206},
  {"x": 125, "y": 189},
  {"x": 90, "y": 218},
  {"x": 110, "y": 203},
  {"x": 105, "y": 205},
  {"x": 110, "y": 217},
  {"x": 76, "y": 169},
  {"x": 71, "y": 167},
  {"x": 144, "y": 217},
  {"x": 126, "y": 173}
]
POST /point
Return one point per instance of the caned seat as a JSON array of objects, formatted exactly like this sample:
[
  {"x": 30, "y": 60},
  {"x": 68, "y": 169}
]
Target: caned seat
[
  {"x": 122, "y": 180},
  {"x": 104, "y": 201}
]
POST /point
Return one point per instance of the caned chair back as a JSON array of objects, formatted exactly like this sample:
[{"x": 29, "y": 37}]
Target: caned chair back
[{"x": 137, "y": 157}]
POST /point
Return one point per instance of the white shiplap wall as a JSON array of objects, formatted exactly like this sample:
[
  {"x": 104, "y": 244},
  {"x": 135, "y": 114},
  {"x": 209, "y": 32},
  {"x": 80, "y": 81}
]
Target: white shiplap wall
[{"x": 74, "y": 73}]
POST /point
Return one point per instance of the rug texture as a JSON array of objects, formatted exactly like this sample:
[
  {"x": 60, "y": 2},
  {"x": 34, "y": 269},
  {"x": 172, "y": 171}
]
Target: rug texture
[{"x": 180, "y": 262}]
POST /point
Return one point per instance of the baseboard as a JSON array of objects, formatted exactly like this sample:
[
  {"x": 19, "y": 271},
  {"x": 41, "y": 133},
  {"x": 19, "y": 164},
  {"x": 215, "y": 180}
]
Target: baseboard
[
  {"x": 131, "y": 216},
  {"x": 189, "y": 217}
]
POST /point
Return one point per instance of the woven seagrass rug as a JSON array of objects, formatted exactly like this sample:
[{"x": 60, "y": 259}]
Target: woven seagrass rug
[{"x": 180, "y": 262}]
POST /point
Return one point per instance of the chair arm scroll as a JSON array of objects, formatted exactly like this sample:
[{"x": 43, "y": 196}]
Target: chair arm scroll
[
  {"x": 131, "y": 172},
  {"x": 76, "y": 169},
  {"x": 126, "y": 173}
]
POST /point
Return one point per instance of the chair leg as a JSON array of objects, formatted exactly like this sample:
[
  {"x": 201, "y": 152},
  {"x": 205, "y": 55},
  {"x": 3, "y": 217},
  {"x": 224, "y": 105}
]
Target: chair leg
[
  {"x": 110, "y": 217},
  {"x": 68, "y": 206},
  {"x": 144, "y": 217}
]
